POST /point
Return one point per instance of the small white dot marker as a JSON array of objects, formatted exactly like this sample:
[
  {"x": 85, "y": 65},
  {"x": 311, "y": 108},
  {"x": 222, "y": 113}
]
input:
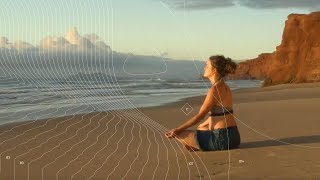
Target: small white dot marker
[
  {"x": 7, "y": 157},
  {"x": 186, "y": 109},
  {"x": 190, "y": 163},
  {"x": 21, "y": 162},
  {"x": 241, "y": 161}
]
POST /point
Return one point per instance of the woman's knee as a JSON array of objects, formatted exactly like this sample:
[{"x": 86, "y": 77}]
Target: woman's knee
[
  {"x": 185, "y": 134},
  {"x": 187, "y": 137}
]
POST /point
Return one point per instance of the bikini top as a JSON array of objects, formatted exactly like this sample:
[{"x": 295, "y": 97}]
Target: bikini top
[{"x": 220, "y": 111}]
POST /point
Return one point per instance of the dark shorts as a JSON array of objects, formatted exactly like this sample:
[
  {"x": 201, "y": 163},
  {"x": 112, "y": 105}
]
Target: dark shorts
[{"x": 218, "y": 139}]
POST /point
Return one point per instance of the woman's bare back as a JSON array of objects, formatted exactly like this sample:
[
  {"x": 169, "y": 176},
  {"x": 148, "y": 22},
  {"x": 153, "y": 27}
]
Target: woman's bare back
[{"x": 215, "y": 122}]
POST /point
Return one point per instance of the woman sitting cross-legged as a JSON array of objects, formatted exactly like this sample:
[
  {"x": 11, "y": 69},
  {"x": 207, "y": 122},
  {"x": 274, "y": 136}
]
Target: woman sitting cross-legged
[{"x": 219, "y": 131}]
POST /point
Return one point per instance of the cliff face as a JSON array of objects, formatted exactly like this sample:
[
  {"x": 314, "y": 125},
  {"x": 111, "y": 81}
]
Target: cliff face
[{"x": 296, "y": 59}]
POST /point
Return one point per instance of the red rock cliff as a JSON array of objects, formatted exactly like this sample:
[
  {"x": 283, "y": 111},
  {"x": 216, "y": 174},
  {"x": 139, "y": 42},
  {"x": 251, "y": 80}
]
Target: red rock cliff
[{"x": 296, "y": 59}]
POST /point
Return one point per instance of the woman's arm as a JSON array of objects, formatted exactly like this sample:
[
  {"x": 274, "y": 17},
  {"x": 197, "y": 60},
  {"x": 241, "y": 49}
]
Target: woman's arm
[{"x": 208, "y": 103}]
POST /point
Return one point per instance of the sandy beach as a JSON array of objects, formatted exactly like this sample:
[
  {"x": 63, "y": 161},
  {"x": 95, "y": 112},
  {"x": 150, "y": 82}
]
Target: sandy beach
[{"x": 279, "y": 129}]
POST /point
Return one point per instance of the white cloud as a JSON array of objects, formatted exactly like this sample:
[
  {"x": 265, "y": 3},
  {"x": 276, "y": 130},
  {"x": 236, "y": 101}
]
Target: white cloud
[
  {"x": 199, "y": 4},
  {"x": 97, "y": 42},
  {"x": 257, "y": 4},
  {"x": 53, "y": 42},
  {"x": 71, "y": 42},
  {"x": 306, "y": 4},
  {"x": 72, "y": 36}
]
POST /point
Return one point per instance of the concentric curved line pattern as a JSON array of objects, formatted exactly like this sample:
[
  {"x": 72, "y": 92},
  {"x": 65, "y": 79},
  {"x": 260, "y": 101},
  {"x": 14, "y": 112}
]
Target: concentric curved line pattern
[
  {"x": 94, "y": 142},
  {"x": 25, "y": 131},
  {"x": 85, "y": 148},
  {"x": 41, "y": 144},
  {"x": 152, "y": 121},
  {"x": 24, "y": 124},
  {"x": 170, "y": 143},
  {"x": 55, "y": 159},
  {"x": 124, "y": 133},
  {"x": 100, "y": 149},
  {"x": 23, "y": 143},
  {"x": 138, "y": 118},
  {"x": 135, "y": 116},
  {"x": 6, "y": 141},
  {"x": 120, "y": 89},
  {"x": 149, "y": 144},
  {"x": 49, "y": 139},
  {"x": 127, "y": 151},
  {"x": 16, "y": 137},
  {"x": 60, "y": 134},
  {"x": 137, "y": 152},
  {"x": 157, "y": 158}
]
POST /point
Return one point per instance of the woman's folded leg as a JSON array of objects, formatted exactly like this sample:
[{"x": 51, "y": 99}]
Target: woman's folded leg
[{"x": 186, "y": 137}]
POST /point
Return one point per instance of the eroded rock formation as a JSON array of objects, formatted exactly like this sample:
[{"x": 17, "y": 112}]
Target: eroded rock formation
[{"x": 296, "y": 59}]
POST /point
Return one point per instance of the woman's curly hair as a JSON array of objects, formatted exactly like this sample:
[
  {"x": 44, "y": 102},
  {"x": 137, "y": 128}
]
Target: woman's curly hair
[{"x": 224, "y": 65}]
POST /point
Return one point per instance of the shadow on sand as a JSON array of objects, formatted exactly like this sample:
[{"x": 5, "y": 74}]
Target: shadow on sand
[{"x": 282, "y": 141}]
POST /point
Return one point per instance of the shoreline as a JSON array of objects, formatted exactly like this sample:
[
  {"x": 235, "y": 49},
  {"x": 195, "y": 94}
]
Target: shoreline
[{"x": 197, "y": 100}]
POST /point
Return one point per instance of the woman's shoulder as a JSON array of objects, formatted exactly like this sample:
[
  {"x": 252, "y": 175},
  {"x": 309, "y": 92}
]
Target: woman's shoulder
[
  {"x": 222, "y": 87},
  {"x": 220, "y": 84}
]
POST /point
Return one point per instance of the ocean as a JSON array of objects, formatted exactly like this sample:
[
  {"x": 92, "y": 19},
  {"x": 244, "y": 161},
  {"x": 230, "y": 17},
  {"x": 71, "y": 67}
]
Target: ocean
[{"x": 43, "y": 98}]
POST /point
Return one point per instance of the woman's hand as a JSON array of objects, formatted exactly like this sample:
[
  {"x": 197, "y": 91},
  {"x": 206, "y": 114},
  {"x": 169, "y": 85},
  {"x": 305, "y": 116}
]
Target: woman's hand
[{"x": 172, "y": 133}]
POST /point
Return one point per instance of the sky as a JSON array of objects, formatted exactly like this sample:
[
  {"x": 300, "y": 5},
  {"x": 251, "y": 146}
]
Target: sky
[{"x": 178, "y": 29}]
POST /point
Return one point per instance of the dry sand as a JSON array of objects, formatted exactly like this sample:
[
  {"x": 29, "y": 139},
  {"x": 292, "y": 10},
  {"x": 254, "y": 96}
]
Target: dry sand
[{"x": 279, "y": 129}]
